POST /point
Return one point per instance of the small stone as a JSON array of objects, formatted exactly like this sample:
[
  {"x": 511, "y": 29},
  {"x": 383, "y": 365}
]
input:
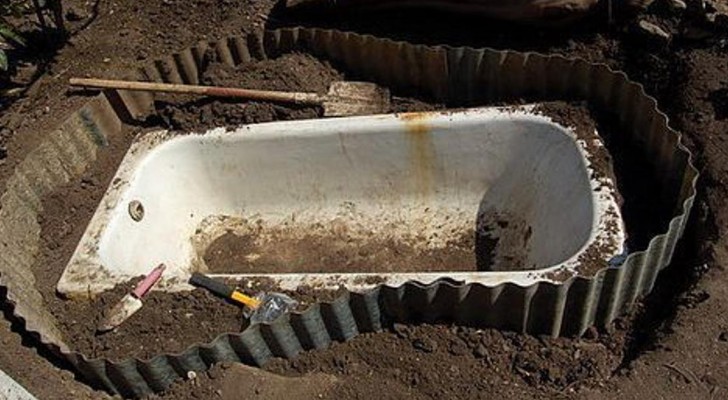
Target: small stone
[
  {"x": 653, "y": 31},
  {"x": 73, "y": 16},
  {"x": 426, "y": 345},
  {"x": 226, "y": 365},
  {"x": 591, "y": 333},
  {"x": 458, "y": 348},
  {"x": 480, "y": 352},
  {"x": 401, "y": 330},
  {"x": 191, "y": 375},
  {"x": 107, "y": 60},
  {"x": 473, "y": 337},
  {"x": 677, "y": 5},
  {"x": 716, "y": 12},
  {"x": 214, "y": 373}
]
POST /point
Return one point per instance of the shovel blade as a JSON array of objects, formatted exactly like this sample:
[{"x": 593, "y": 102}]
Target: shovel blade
[{"x": 356, "y": 98}]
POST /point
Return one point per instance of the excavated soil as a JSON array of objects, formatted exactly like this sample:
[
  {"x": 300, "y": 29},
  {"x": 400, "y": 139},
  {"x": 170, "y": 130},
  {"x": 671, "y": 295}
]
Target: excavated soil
[
  {"x": 438, "y": 361},
  {"x": 328, "y": 253},
  {"x": 165, "y": 323},
  {"x": 677, "y": 344},
  {"x": 290, "y": 72}
]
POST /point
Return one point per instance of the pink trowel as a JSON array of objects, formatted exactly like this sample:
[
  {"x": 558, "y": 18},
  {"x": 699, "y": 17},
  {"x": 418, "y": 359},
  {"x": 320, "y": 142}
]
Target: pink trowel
[{"x": 131, "y": 302}]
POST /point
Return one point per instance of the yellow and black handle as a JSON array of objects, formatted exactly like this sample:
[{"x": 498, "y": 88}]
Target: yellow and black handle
[{"x": 223, "y": 290}]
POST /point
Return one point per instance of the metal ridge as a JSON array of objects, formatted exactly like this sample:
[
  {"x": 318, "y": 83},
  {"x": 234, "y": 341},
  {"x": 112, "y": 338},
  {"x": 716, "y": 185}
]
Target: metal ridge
[{"x": 471, "y": 75}]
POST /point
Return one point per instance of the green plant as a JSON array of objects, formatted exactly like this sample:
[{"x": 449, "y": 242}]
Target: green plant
[{"x": 8, "y": 36}]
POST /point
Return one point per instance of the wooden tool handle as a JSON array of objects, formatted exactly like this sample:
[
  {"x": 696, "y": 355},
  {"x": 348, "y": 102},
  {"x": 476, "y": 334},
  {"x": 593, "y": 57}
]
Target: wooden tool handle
[{"x": 250, "y": 94}]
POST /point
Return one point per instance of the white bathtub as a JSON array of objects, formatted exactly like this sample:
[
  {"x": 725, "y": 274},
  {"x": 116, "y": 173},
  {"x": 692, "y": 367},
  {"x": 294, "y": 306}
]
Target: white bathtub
[{"x": 421, "y": 175}]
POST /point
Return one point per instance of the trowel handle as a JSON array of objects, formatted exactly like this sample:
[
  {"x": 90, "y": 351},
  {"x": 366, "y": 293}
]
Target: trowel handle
[
  {"x": 215, "y": 286},
  {"x": 150, "y": 280}
]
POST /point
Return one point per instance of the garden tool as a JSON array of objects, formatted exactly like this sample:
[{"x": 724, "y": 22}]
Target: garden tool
[
  {"x": 342, "y": 99},
  {"x": 130, "y": 303},
  {"x": 264, "y": 307}
]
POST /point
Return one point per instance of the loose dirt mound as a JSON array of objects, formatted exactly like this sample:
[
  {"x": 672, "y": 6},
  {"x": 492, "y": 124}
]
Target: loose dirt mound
[
  {"x": 435, "y": 361},
  {"x": 290, "y": 72},
  {"x": 166, "y": 323}
]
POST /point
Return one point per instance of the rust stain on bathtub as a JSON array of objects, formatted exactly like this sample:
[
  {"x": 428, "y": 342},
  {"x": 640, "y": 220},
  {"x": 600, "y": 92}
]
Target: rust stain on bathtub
[{"x": 422, "y": 154}]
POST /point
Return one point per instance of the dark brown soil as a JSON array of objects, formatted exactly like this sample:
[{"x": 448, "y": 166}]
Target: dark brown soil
[
  {"x": 438, "y": 361},
  {"x": 502, "y": 242},
  {"x": 166, "y": 323},
  {"x": 678, "y": 345}
]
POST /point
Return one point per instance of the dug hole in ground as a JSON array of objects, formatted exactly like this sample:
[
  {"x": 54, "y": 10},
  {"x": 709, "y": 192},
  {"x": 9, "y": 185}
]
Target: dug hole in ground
[{"x": 674, "y": 347}]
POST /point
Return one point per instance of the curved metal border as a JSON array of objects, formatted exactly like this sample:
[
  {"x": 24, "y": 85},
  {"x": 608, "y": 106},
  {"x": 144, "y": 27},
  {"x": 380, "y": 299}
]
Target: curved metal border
[{"x": 464, "y": 74}]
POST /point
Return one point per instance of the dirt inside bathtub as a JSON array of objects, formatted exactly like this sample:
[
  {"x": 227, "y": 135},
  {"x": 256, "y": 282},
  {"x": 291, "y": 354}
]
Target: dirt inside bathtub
[{"x": 500, "y": 242}]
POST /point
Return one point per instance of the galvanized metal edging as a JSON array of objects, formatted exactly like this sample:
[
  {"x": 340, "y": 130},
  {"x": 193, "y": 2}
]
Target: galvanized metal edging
[{"x": 464, "y": 75}]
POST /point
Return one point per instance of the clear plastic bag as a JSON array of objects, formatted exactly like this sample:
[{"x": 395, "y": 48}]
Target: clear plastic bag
[{"x": 272, "y": 306}]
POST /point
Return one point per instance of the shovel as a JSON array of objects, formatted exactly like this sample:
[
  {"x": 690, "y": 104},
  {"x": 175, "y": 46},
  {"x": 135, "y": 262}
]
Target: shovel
[
  {"x": 264, "y": 307},
  {"x": 130, "y": 303},
  {"x": 342, "y": 99}
]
